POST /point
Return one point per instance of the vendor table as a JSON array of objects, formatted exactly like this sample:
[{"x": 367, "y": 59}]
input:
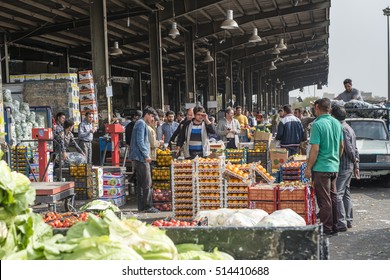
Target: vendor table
[{"x": 54, "y": 192}]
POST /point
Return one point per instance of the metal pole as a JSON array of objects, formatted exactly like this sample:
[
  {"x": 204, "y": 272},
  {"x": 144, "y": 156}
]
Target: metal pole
[
  {"x": 388, "y": 57},
  {"x": 386, "y": 12}
]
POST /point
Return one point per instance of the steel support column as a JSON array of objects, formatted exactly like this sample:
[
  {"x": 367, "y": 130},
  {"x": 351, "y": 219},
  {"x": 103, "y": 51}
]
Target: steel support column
[
  {"x": 100, "y": 65},
  {"x": 228, "y": 81},
  {"x": 189, "y": 50},
  {"x": 242, "y": 84},
  {"x": 212, "y": 76},
  {"x": 249, "y": 94},
  {"x": 156, "y": 71},
  {"x": 260, "y": 100}
]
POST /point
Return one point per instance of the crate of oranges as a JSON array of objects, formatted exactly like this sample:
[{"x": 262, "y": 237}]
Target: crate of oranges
[{"x": 164, "y": 157}]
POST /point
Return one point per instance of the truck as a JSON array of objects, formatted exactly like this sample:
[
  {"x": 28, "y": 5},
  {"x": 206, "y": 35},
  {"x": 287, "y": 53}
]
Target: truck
[{"x": 371, "y": 127}]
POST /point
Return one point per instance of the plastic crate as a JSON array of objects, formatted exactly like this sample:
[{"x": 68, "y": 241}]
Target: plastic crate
[
  {"x": 165, "y": 159},
  {"x": 235, "y": 156},
  {"x": 80, "y": 170},
  {"x": 300, "y": 207},
  {"x": 253, "y": 156},
  {"x": 163, "y": 206},
  {"x": 262, "y": 194},
  {"x": 267, "y": 206},
  {"x": 83, "y": 193},
  {"x": 261, "y": 145},
  {"x": 292, "y": 194},
  {"x": 85, "y": 182}
]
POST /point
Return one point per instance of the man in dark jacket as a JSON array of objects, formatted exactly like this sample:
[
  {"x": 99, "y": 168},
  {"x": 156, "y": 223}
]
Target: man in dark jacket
[
  {"x": 130, "y": 126},
  {"x": 193, "y": 137},
  {"x": 290, "y": 131}
]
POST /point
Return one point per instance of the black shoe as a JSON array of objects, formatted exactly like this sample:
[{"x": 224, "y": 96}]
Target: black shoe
[
  {"x": 349, "y": 225},
  {"x": 152, "y": 210},
  {"x": 330, "y": 233},
  {"x": 342, "y": 229}
]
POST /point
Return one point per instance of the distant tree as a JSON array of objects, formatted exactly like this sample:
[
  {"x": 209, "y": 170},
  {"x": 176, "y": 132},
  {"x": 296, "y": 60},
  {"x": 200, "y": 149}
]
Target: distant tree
[{"x": 305, "y": 102}]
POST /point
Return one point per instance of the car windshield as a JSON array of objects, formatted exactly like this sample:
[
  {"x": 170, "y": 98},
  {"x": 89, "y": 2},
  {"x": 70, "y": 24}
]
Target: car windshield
[{"x": 369, "y": 130}]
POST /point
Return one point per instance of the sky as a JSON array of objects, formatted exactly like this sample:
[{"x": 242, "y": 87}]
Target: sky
[{"x": 357, "y": 48}]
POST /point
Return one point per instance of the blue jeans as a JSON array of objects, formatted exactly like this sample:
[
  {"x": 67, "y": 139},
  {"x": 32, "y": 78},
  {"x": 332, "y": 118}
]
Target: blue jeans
[{"x": 344, "y": 204}]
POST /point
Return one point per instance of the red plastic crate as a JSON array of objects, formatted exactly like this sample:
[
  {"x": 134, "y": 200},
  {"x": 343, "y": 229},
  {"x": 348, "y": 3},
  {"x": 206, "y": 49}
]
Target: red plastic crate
[
  {"x": 262, "y": 194},
  {"x": 267, "y": 206}
]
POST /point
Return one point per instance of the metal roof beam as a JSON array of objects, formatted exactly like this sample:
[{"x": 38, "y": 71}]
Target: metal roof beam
[{"x": 65, "y": 26}]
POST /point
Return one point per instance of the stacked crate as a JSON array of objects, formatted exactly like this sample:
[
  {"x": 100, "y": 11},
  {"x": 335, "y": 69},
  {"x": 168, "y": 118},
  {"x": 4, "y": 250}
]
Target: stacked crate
[
  {"x": 97, "y": 175},
  {"x": 235, "y": 156},
  {"x": 263, "y": 196},
  {"x": 162, "y": 197},
  {"x": 183, "y": 189},
  {"x": 293, "y": 171},
  {"x": 88, "y": 98},
  {"x": 82, "y": 176},
  {"x": 73, "y": 111},
  {"x": 114, "y": 187},
  {"x": 161, "y": 181},
  {"x": 20, "y": 157},
  {"x": 209, "y": 184},
  {"x": 236, "y": 185},
  {"x": 298, "y": 197}
]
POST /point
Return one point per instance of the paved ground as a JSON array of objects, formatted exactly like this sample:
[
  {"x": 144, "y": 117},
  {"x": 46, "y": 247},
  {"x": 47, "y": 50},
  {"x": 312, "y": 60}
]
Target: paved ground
[{"x": 369, "y": 239}]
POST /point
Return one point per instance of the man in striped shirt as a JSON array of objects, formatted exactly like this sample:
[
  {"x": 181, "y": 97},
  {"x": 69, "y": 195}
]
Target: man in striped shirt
[
  {"x": 193, "y": 136},
  {"x": 349, "y": 163}
]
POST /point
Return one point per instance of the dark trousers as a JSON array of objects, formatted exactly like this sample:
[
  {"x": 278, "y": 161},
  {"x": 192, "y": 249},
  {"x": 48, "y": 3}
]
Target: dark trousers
[
  {"x": 231, "y": 144},
  {"x": 144, "y": 183},
  {"x": 324, "y": 184}
]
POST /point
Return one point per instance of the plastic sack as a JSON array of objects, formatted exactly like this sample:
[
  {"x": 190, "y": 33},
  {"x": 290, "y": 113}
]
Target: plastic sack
[
  {"x": 7, "y": 96},
  {"x": 282, "y": 218},
  {"x": 75, "y": 158},
  {"x": 16, "y": 105},
  {"x": 31, "y": 117}
]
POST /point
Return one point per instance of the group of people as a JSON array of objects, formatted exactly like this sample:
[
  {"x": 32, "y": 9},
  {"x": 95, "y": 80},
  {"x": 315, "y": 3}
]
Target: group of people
[
  {"x": 64, "y": 138},
  {"x": 333, "y": 160}
]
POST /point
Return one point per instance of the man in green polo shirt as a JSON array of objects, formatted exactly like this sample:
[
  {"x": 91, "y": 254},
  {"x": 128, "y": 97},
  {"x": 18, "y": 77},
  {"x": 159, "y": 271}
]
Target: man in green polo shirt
[{"x": 323, "y": 163}]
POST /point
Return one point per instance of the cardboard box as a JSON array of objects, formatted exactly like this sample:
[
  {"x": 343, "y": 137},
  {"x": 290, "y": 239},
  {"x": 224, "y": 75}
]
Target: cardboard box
[
  {"x": 85, "y": 75},
  {"x": 48, "y": 76},
  {"x": 87, "y": 96},
  {"x": 278, "y": 157},
  {"x": 263, "y": 136},
  {"x": 72, "y": 77},
  {"x": 16, "y": 78},
  {"x": 88, "y": 105},
  {"x": 32, "y": 77},
  {"x": 87, "y": 86}
]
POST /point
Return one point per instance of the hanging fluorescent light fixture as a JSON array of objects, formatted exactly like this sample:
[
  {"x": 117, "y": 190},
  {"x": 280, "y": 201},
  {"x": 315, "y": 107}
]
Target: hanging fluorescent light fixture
[
  {"x": 255, "y": 37},
  {"x": 174, "y": 31},
  {"x": 281, "y": 45},
  {"x": 229, "y": 22},
  {"x": 272, "y": 67},
  {"x": 115, "y": 50},
  {"x": 208, "y": 58},
  {"x": 275, "y": 50}
]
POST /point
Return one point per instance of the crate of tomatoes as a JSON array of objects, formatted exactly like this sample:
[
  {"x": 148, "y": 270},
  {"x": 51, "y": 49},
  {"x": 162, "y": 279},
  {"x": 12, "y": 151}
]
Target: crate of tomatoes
[
  {"x": 64, "y": 220},
  {"x": 171, "y": 222}
]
